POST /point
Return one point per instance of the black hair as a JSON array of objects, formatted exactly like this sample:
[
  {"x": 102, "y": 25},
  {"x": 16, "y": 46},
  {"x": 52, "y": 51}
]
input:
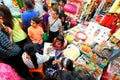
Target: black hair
[
  {"x": 36, "y": 19},
  {"x": 60, "y": 75},
  {"x": 33, "y": 2},
  {"x": 64, "y": 1},
  {"x": 1, "y": 14},
  {"x": 29, "y": 4},
  {"x": 56, "y": 11},
  {"x": 30, "y": 49},
  {"x": 45, "y": 7},
  {"x": 8, "y": 18},
  {"x": 2, "y": 29},
  {"x": 67, "y": 63},
  {"x": 60, "y": 38}
]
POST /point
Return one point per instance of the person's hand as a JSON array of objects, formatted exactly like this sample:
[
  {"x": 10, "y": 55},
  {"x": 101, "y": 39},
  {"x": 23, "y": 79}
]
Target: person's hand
[
  {"x": 8, "y": 29},
  {"x": 48, "y": 51},
  {"x": 47, "y": 34},
  {"x": 9, "y": 47},
  {"x": 75, "y": 63},
  {"x": 56, "y": 61}
]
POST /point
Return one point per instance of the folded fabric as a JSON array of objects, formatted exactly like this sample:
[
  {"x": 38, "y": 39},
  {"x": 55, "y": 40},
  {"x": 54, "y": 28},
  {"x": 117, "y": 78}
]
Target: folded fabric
[{"x": 71, "y": 8}]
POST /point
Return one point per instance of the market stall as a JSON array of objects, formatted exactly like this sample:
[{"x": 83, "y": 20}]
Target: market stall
[{"x": 93, "y": 36}]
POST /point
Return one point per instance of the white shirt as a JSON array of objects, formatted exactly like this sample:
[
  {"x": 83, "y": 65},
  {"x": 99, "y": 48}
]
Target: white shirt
[
  {"x": 55, "y": 27},
  {"x": 40, "y": 60}
]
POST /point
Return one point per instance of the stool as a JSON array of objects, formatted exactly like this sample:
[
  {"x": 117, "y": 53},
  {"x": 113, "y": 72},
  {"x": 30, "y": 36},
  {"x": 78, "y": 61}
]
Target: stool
[{"x": 39, "y": 70}]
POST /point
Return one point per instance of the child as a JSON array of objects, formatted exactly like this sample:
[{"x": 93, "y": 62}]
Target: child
[
  {"x": 59, "y": 43},
  {"x": 35, "y": 33}
]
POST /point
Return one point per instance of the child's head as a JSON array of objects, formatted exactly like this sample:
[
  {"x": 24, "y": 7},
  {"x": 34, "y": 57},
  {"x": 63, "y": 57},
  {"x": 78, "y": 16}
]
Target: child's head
[
  {"x": 1, "y": 17},
  {"x": 45, "y": 7},
  {"x": 31, "y": 50},
  {"x": 59, "y": 41},
  {"x": 35, "y": 21}
]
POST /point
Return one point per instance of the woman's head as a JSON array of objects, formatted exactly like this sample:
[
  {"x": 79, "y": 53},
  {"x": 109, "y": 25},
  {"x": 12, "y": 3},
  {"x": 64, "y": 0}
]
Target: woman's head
[
  {"x": 7, "y": 16},
  {"x": 45, "y": 7},
  {"x": 31, "y": 50},
  {"x": 55, "y": 13},
  {"x": 1, "y": 17},
  {"x": 35, "y": 21}
]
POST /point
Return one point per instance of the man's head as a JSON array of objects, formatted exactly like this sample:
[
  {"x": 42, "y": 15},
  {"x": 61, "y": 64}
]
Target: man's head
[
  {"x": 62, "y": 2},
  {"x": 28, "y": 4}
]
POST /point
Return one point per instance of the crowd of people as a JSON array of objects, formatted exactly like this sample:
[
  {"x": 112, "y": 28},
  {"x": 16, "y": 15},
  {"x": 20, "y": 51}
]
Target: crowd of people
[{"x": 22, "y": 43}]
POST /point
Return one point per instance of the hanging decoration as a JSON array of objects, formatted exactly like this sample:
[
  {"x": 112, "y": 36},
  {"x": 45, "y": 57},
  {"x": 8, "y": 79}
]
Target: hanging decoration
[
  {"x": 99, "y": 8},
  {"x": 15, "y": 3},
  {"x": 115, "y": 7},
  {"x": 20, "y": 3}
]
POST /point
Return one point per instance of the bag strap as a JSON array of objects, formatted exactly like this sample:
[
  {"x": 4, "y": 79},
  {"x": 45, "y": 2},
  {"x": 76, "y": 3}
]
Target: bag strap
[{"x": 54, "y": 22}]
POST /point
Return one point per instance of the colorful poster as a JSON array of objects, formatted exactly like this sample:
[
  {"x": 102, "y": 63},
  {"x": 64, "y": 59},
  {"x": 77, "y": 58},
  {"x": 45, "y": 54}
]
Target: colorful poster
[{"x": 94, "y": 27}]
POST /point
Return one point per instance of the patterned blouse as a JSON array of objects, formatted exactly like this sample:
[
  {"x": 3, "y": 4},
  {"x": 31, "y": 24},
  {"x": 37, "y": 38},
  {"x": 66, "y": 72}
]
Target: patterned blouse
[{"x": 40, "y": 60}]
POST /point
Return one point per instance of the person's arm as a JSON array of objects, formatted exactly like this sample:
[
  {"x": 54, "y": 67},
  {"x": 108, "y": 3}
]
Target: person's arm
[
  {"x": 42, "y": 14},
  {"x": 42, "y": 33},
  {"x": 83, "y": 66},
  {"x": 30, "y": 34},
  {"x": 65, "y": 44},
  {"x": 58, "y": 62},
  {"x": 54, "y": 41},
  {"x": 9, "y": 30},
  {"x": 61, "y": 30},
  {"x": 24, "y": 22},
  {"x": 5, "y": 42},
  {"x": 48, "y": 28},
  {"x": 60, "y": 27},
  {"x": 23, "y": 27},
  {"x": 42, "y": 58}
]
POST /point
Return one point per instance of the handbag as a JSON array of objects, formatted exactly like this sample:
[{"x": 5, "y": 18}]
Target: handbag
[{"x": 45, "y": 36}]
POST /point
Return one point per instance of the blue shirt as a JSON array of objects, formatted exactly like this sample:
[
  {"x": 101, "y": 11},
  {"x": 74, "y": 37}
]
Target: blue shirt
[{"x": 27, "y": 16}]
